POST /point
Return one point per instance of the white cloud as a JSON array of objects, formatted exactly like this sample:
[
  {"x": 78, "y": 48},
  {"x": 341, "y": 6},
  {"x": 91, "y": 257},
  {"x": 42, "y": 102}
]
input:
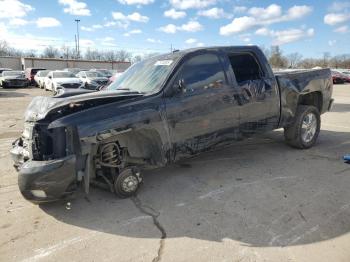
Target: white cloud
[
  {"x": 262, "y": 31},
  {"x": 240, "y": 9},
  {"x": 264, "y": 16},
  {"x": 154, "y": 41},
  {"x": 187, "y": 4},
  {"x": 335, "y": 18},
  {"x": 172, "y": 13},
  {"x": 18, "y": 22},
  {"x": 133, "y": 32},
  {"x": 342, "y": 29},
  {"x": 136, "y": 17},
  {"x": 108, "y": 41},
  {"x": 14, "y": 8},
  {"x": 31, "y": 41},
  {"x": 214, "y": 13},
  {"x": 91, "y": 28},
  {"x": 136, "y": 2},
  {"x": 191, "y": 41},
  {"x": 332, "y": 42},
  {"x": 191, "y": 26},
  {"x": 339, "y": 6},
  {"x": 272, "y": 11},
  {"x": 238, "y": 25},
  {"x": 47, "y": 22},
  {"x": 291, "y": 35},
  {"x": 74, "y": 7},
  {"x": 119, "y": 24},
  {"x": 169, "y": 29},
  {"x": 285, "y": 36},
  {"x": 194, "y": 41}
]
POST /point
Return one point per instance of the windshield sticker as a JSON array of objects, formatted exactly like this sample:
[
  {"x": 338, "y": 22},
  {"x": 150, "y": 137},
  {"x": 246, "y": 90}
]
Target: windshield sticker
[{"x": 163, "y": 63}]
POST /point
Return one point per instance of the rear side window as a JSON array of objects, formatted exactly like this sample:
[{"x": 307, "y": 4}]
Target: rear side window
[
  {"x": 202, "y": 71},
  {"x": 245, "y": 67}
]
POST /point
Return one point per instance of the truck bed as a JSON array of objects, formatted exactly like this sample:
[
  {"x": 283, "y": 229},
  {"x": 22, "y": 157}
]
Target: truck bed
[{"x": 294, "y": 84}]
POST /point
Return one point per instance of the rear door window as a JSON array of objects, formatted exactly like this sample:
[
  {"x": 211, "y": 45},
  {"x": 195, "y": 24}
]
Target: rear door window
[{"x": 245, "y": 67}]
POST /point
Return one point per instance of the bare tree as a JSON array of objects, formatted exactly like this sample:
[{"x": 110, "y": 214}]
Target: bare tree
[
  {"x": 67, "y": 52},
  {"x": 110, "y": 56},
  {"x": 3, "y": 48},
  {"x": 326, "y": 57},
  {"x": 277, "y": 60},
  {"x": 294, "y": 59},
  {"x": 123, "y": 55},
  {"x": 50, "y": 52}
]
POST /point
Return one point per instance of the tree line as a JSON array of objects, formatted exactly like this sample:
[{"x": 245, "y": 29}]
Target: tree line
[{"x": 274, "y": 54}]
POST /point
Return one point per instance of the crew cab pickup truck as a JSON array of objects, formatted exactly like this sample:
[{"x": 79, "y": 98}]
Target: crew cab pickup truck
[{"x": 160, "y": 110}]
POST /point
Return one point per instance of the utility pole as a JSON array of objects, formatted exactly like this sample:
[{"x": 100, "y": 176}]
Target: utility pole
[
  {"x": 171, "y": 48},
  {"x": 78, "y": 44}
]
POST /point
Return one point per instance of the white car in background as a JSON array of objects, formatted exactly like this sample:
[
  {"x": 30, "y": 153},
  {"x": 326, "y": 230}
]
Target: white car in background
[
  {"x": 92, "y": 79},
  {"x": 56, "y": 80},
  {"x": 39, "y": 78}
]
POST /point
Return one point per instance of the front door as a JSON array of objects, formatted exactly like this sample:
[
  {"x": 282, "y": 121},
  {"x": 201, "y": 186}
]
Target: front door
[{"x": 202, "y": 113}]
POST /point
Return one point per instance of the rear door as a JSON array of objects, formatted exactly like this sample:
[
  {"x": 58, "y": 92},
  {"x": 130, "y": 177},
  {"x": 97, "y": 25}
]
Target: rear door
[
  {"x": 257, "y": 92},
  {"x": 202, "y": 114}
]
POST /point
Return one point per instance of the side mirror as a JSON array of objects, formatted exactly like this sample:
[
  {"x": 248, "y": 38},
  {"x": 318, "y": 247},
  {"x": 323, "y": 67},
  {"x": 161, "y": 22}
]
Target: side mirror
[{"x": 50, "y": 77}]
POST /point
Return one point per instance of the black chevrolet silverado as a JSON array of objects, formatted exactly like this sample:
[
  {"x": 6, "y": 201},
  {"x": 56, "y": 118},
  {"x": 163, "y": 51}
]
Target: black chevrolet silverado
[{"x": 160, "y": 110}]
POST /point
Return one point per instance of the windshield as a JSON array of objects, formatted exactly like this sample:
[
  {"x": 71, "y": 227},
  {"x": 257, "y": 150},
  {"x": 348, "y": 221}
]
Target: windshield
[
  {"x": 94, "y": 74},
  {"x": 12, "y": 73},
  {"x": 146, "y": 76},
  {"x": 63, "y": 75},
  {"x": 43, "y": 73}
]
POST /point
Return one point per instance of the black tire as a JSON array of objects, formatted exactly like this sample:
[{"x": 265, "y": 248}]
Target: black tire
[
  {"x": 122, "y": 187},
  {"x": 295, "y": 134}
]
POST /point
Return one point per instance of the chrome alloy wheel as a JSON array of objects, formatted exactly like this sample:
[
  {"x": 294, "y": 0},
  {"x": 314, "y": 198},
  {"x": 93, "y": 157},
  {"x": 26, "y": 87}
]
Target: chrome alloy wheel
[{"x": 308, "y": 127}]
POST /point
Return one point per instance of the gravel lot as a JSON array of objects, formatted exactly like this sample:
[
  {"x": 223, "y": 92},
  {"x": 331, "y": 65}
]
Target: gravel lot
[{"x": 256, "y": 201}]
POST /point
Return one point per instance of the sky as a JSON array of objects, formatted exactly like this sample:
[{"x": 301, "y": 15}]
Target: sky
[{"x": 147, "y": 26}]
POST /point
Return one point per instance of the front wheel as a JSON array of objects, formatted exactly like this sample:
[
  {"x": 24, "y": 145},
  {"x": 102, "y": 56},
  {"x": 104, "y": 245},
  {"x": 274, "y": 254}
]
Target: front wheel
[
  {"x": 303, "y": 132},
  {"x": 127, "y": 183}
]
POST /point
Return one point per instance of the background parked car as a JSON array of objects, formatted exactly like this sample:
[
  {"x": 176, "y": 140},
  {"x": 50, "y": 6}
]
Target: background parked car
[
  {"x": 345, "y": 75},
  {"x": 62, "y": 79},
  {"x": 337, "y": 78},
  {"x": 13, "y": 79},
  {"x": 92, "y": 79},
  {"x": 39, "y": 78},
  {"x": 5, "y": 69},
  {"x": 30, "y": 73},
  {"x": 104, "y": 72},
  {"x": 73, "y": 70}
]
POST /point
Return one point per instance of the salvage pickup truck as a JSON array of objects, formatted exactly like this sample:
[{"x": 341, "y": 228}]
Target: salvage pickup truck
[{"x": 160, "y": 110}]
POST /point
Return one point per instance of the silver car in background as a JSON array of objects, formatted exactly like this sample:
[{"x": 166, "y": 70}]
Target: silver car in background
[
  {"x": 39, "y": 78},
  {"x": 92, "y": 79}
]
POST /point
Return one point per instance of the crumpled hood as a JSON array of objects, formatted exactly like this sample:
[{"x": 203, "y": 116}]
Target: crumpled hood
[{"x": 40, "y": 106}]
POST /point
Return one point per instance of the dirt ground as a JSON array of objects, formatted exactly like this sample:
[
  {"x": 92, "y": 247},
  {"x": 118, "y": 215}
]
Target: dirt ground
[{"x": 259, "y": 200}]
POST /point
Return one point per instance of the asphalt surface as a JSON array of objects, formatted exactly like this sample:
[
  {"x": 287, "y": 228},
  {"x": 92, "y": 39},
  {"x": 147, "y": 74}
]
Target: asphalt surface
[{"x": 259, "y": 200}]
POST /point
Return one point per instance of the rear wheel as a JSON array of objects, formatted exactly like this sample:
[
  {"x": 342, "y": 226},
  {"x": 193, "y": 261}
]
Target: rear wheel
[{"x": 303, "y": 132}]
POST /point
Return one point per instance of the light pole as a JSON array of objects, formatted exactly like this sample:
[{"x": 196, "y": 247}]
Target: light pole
[{"x": 78, "y": 47}]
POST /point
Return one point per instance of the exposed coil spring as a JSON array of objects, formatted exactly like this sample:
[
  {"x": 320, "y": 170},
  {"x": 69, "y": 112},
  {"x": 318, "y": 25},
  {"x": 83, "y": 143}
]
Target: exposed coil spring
[{"x": 110, "y": 155}]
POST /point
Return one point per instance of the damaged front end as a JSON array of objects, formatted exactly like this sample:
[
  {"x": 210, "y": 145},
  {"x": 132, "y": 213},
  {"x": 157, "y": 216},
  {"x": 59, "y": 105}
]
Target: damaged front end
[
  {"x": 46, "y": 162},
  {"x": 53, "y": 160}
]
